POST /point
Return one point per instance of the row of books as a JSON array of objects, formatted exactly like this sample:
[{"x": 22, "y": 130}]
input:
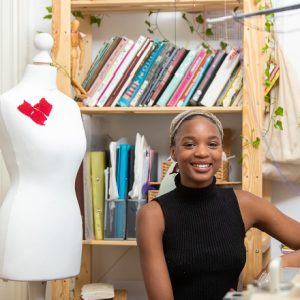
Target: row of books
[
  {"x": 115, "y": 184},
  {"x": 158, "y": 73}
]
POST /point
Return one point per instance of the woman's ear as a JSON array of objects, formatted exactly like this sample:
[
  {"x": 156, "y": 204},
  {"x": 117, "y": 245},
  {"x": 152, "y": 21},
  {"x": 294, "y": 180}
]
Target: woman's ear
[{"x": 173, "y": 153}]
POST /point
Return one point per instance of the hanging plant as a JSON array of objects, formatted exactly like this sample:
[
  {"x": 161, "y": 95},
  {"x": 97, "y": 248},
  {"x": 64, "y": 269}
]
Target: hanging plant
[
  {"x": 77, "y": 14},
  {"x": 269, "y": 80},
  {"x": 197, "y": 27},
  {"x": 152, "y": 27}
]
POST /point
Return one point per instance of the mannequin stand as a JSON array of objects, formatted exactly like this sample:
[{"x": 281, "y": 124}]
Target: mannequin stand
[{"x": 37, "y": 290}]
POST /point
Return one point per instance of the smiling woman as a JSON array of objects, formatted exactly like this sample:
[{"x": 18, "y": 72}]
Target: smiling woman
[{"x": 191, "y": 240}]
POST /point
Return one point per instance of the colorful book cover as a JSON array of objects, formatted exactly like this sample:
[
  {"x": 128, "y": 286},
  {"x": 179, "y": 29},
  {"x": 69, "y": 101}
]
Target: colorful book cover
[
  {"x": 105, "y": 73},
  {"x": 98, "y": 190},
  {"x": 228, "y": 85},
  {"x": 137, "y": 99},
  {"x": 221, "y": 78},
  {"x": 187, "y": 78},
  {"x": 208, "y": 78},
  {"x": 179, "y": 74},
  {"x": 197, "y": 80},
  {"x": 170, "y": 53},
  {"x": 132, "y": 52},
  {"x": 88, "y": 198},
  {"x": 141, "y": 75},
  {"x": 128, "y": 76},
  {"x": 122, "y": 183},
  {"x": 168, "y": 75},
  {"x": 107, "y": 82},
  {"x": 97, "y": 64}
]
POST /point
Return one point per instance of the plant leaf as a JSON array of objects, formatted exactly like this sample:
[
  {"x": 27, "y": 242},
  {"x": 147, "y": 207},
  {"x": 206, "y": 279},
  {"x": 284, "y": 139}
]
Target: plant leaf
[
  {"x": 208, "y": 32},
  {"x": 78, "y": 14},
  {"x": 95, "y": 20},
  {"x": 279, "y": 111},
  {"x": 148, "y": 23},
  {"x": 150, "y": 31},
  {"x": 223, "y": 45},
  {"x": 184, "y": 16},
  {"x": 256, "y": 143},
  {"x": 48, "y": 17},
  {"x": 150, "y": 13},
  {"x": 199, "y": 19},
  {"x": 49, "y": 9},
  {"x": 278, "y": 125},
  {"x": 191, "y": 29}
]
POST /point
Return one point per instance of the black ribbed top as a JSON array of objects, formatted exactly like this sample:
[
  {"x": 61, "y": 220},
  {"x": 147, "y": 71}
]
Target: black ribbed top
[{"x": 203, "y": 240}]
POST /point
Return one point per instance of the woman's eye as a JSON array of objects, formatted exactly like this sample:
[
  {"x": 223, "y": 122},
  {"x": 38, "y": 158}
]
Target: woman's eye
[
  {"x": 189, "y": 145},
  {"x": 213, "y": 145}
]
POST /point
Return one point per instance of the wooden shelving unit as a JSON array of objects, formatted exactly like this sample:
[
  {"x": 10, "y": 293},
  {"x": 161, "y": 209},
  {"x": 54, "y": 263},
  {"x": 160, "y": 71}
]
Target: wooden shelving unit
[{"x": 252, "y": 113}]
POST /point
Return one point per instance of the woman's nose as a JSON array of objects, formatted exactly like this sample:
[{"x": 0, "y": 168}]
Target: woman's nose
[{"x": 201, "y": 151}]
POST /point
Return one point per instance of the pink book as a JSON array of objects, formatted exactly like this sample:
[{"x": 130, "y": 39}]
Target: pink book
[
  {"x": 93, "y": 97},
  {"x": 187, "y": 78}
]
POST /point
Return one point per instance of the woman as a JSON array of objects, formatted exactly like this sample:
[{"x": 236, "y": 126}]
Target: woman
[{"x": 191, "y": 240}]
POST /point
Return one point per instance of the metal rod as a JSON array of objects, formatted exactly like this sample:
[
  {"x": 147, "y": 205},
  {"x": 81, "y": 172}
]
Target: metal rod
[{"x": 256, "y": 13}]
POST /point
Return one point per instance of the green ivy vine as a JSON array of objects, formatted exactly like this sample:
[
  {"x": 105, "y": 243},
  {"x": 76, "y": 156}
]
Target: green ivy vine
[{"x": 77, "y": 14}]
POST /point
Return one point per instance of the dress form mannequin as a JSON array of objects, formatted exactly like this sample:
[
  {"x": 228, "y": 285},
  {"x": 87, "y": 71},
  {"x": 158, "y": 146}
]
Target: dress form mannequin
[{"x": 43, "y": 143}]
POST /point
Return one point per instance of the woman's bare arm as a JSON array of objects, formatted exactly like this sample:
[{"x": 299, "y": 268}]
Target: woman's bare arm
[{"x": 150, "y": 228}]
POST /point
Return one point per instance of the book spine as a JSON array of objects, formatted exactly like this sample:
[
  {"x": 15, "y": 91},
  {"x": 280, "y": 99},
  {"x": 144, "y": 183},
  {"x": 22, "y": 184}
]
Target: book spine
[
  {"x": 222, "y": 76},
  {"x": 99, "y": 70},
  {"x": 94, "y": 67},
  {"x": 187, "y": 78},
  {"x": 92, "y": 100},
  {"x": 138, "y": 78},
  {"x": 166, "y": 63},
  {"x": 198, "y": 80},
  {"x": 142, "y": 89},
  {"x": 121, "y": 71},
  {"x": 168, "y": 92},
  {"x": 192, "y": 82},
  {"x": 124, "y": 82},
  {"x": 155, "y": 74},
  {"x": 88, "y": 198},
  {"x": 98, "y": 188},
  {"x": 107, "y": 90},
  {"x": 108, "y": 71},
  {"x": 208, "y": 78}
]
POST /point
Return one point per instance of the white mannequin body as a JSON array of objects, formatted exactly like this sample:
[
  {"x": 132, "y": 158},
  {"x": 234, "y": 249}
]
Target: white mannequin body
[{"x": 40, "y": 222}]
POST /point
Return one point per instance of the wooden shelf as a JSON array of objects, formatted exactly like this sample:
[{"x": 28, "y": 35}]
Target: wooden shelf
[
  {"x": 109, "y": 243},
  {"x": 154, "y": 110},
  {"x": 94, "y": 6}
]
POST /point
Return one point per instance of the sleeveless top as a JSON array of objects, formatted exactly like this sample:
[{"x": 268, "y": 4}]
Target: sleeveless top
[{"x": 203, "y": 240}]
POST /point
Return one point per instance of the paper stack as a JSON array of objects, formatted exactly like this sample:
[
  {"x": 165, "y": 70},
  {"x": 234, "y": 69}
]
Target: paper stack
[{"x": 97, "y": 291}]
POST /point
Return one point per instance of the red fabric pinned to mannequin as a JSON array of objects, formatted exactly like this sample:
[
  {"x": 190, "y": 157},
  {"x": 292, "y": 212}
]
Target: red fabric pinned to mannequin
[{"x": 38, "y": 113}]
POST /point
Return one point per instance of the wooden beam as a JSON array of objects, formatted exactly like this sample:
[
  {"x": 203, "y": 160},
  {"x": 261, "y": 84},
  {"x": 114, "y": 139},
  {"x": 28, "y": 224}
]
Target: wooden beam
[
  {"x": 85, "y": 275},
  {"x": 62, "y": 44},
  {"x": 253, "y": 105}
]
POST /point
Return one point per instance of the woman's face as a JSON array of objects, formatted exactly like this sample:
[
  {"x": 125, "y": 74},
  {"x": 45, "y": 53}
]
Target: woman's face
[{"x": 198, "y": 151}]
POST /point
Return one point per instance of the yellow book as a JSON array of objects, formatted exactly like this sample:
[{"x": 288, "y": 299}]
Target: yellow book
[{"x": 98, "y": 188}]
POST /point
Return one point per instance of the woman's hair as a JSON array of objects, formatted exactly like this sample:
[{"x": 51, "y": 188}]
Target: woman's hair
[{"x": 188, "y": 115}]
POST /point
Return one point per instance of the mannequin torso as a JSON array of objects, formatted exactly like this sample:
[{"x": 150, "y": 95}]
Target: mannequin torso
[{"x": 40, "y": 223}]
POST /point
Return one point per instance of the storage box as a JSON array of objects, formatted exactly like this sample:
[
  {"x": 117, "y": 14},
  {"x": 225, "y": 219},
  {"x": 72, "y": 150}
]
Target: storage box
[
  {"x": 115, "y": 219},
  {"x": 133, "y": 205}
]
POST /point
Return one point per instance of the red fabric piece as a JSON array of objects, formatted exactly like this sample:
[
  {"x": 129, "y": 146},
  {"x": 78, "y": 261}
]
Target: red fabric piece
[
  {"x": 38, "y": 113},
  {"x": 26, "y": 108},
  {"x": 44, "y": 106},
  {"x": 38, "y": 117}
]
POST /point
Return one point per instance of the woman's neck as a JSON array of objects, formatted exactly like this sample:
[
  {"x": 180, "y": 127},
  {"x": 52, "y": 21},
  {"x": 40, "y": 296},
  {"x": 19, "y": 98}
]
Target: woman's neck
[{"x": 41, "y": 76}]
